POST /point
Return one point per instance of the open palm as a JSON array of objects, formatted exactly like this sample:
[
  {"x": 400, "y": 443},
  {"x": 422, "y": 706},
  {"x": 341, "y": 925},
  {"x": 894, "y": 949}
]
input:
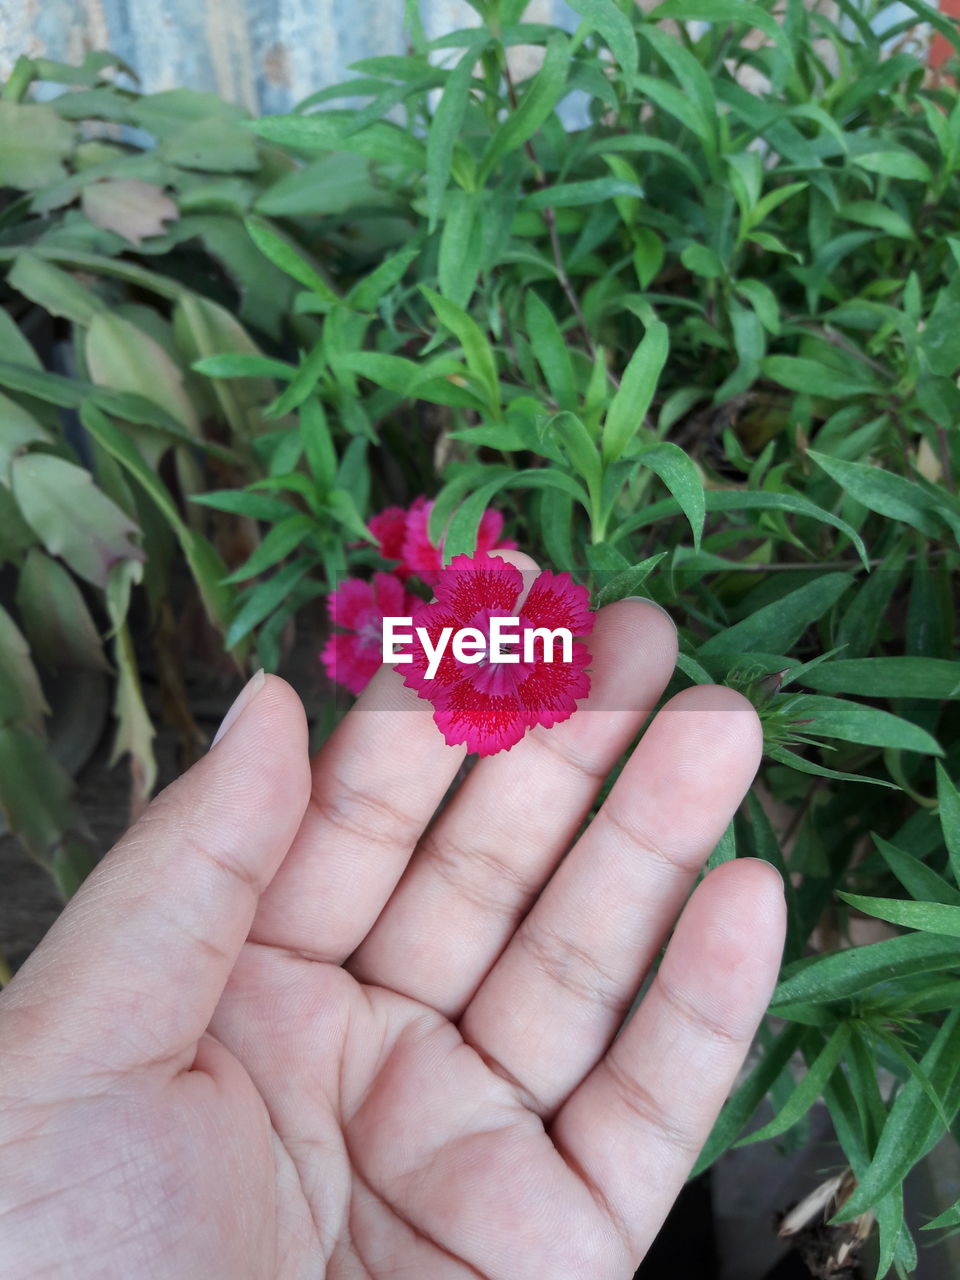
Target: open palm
[{"x": 300, "y": 1023}]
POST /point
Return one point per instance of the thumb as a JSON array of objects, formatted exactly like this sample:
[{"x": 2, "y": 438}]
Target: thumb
[{"x": 133, "y": 968}]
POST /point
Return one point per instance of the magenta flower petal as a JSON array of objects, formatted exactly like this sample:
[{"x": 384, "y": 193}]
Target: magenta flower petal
[
  {"x": 550, "y": 692},
  {"x": 422, "y": 557},
  {"x": 353, "y": 657},
  {"x": 483, "y": 724},
  {"x": 488, "y": 534},
  {"x": 347, "y": 662},
  {"x": 389, "y": 528},
  {"x": 555, "y": 600},
  {"x": 488, "y": 706},
  {"x": 418, "y": 554}
]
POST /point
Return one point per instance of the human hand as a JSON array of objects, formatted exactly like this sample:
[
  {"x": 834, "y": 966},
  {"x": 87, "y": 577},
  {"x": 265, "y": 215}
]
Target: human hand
[{"x": 281, "y": 1031}]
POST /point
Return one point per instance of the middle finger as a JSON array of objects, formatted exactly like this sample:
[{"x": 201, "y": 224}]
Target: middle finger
[{"x": 480, "y": 866}]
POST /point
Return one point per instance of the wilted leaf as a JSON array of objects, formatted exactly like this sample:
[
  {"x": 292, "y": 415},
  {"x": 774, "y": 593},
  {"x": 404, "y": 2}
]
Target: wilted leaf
[
  {"x": 131, "y": 208},
  {"x": 72, "y": 518}
]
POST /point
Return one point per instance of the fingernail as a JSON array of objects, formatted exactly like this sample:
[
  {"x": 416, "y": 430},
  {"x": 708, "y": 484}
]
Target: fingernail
[
  {"x": 240, "y": 704},
  {"x": 653, "y": 603}
]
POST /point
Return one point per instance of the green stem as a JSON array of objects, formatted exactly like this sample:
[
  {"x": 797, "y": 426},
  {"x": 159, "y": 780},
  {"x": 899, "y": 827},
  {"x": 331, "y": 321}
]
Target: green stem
[{"x": 19, "y": 81}]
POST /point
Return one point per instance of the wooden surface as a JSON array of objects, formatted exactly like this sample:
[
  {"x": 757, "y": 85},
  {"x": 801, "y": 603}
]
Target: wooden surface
[{"x": 265, "y": 55}]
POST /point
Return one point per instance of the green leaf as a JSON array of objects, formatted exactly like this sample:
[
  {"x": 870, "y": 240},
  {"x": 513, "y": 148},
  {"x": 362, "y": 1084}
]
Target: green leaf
[
  {"x": 55, "y": 616},
  {"x": 929, "y": 917},
  {"x": 919, "y": 880},
  {"x": 871, "y": 213},
  {"x": 328, "y": 131},
  {"x": 629, "y": 581},
  {"x": 702, "y": 261},
  {"x": 236, "y": 364},
  {"x": 576, "y": 195},
  {"x": 856, "y": 722},
  {"x": 844, "y": 974},
  {"x": 56, "y": 291},
  {"x": 283, "y": 538},
  {"x": 203, "y": 328},
  {"x": 216, "y": 145},
  {"x": 722, "y": 12},
  {"x": 479, "y": 354},
  {"x": 34, "y": 143},
  {"x": 894, "y": 164},
  {"x": 461, "y": 248},
  {"x": 889, "y": 677},
  {"x": 579, "y": 448},
  {"x": 912, "y": 1126},
  {"x": 675, "y": 102},
  {"x": 536, "y": 106},
  {"x": 629, "y": 406},
  {"x": 445, "y": 128},
  {"x": 615, "y": 28},
  {"x": 776, "y": 627},
  {"x": 680, "y": 475},
  {"x": 648, "y": 255},
  {"x": 885, "y": 492},
  {"x": 797, "y": 373},
  {"x": 948, "y": 799},
  {"x": 461, "y": 533},
  {"x": 257, "y": 506},
  {"x": 21, "y": 697},
  {"x": 738, "y": 1109},
  {"x": 808, "y": 1090},
  {"x": 949, "y": 1218},
  {"x": 369, "y": 291},
  {"x": 283, "y": 255},
  {"x": 764, "y": 302},
  {"x": 204, "y": 561},
  {"x": 18, "y": 428},
  {"x": 940, "y": 340},
  {"x": 318, "y": 444},
  {"x": 550, "y": 349},
  {"x": 790, "y": 758},
  {"x": 263, "y": 599}
]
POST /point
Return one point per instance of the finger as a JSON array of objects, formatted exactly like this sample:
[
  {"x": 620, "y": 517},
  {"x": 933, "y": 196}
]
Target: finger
[
  {"x": 482, "y": 863},
  {"x": 377, "y": 782},
  {"x": 635, "y": 1126},
  {"x": 132, "y": 970},
  {"x": 551, "y": 1005}
]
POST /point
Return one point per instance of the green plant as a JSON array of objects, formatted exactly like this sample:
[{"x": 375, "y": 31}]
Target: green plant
[
  {"x": 705, "y": 347},
  {"x": 124, "y": 261}
]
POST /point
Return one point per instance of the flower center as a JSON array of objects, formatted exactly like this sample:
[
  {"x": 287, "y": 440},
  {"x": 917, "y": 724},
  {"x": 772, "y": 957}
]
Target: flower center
[{"x": 497, "y": 678}]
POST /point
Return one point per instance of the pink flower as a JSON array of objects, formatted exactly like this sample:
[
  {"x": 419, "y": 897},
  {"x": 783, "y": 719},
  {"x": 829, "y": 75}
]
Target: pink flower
[
  {"x": 389, "y": 528},
  {"x": 403, "y": 535},
  {"x": 490, "y": 706},
  {"x": 352, "y": 657}
]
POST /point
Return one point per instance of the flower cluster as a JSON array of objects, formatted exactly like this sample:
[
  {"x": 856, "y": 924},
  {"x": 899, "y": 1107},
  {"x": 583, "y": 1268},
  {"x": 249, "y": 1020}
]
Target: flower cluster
[
  {"x": 403, "y": 535},
  {"x": 487, "y": 705},
  {"x": 352, "y": 656}
]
